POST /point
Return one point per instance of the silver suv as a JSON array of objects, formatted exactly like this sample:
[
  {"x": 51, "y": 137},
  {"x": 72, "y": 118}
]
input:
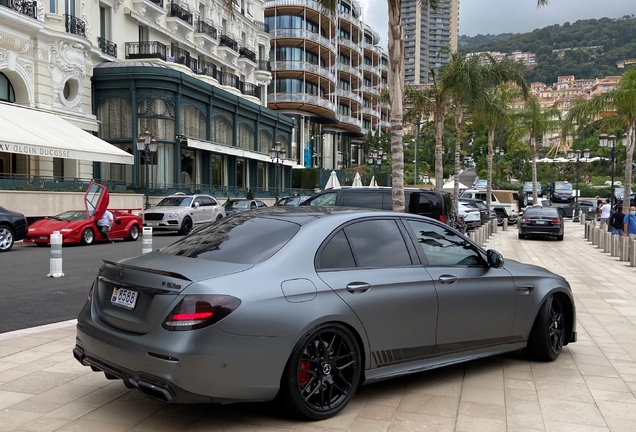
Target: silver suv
[{"x": 180, "y": 212}]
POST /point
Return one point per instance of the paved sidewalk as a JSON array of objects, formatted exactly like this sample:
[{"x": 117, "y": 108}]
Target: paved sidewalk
[{"x": 591, "y": 387}]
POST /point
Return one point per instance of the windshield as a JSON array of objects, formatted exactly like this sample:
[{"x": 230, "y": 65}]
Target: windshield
[
  {"x": 73, "y": 215},
  {"x": 479, "y": 184},
  {"x": 236, "y": 240},
  {"x": 240, "y": 204},
  {"x": 562, "y": 186},
  {"x": 328, "y": 199},
  {"x": 175, "y": 202}
]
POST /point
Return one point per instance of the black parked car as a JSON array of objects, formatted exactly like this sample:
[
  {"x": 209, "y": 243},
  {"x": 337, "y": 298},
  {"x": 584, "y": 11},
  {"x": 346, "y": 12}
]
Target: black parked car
[
  {"x": 241, "y": 205},
  {"x": 13, "y": 227},
  {"x": 434, "y": 204},
  {"x": 587, "y": 208},
  {"x": 562, "y": 192},
  {"x": 292, "y": 200},
  {"x": 543, "y": 221}
]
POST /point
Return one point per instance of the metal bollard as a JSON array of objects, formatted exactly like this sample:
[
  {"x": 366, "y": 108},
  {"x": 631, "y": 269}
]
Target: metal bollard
[
  {"x": 593, "y": 236},
  {"x": 55, "y": 266},
  {"x": 494, "y": 228},
  {"x": 505, "y": 224},
  {"x": 616, "y": 246},
  {"x": 601, "y": 239},
  {"x": 583, "y": 222},
  {"x": 632, "y": 252},
  {"x": 146, "y": 240},
  {"x": 586, "y": 233},
  {"x": 607, "y": 242},
  {"x": 624, "y": 253}
]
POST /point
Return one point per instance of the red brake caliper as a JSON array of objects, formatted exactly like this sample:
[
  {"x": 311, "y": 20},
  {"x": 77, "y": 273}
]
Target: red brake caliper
[{"x": 303, "y": 377}]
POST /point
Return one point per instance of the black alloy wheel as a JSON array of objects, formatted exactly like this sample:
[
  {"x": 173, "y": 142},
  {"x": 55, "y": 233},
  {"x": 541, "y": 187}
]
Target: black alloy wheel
[
  {"x": 548, "y": 333},
  {"x": 500, "y": 218},
  {"x": 323, "y": 372},
  {"x": 186, "y": 226}
]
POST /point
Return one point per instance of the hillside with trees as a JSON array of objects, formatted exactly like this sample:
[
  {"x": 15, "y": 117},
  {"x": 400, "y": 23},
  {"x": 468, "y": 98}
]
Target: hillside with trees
[
  {"x": 467, "y": 42},
  {"x": 585, "y": 49}
]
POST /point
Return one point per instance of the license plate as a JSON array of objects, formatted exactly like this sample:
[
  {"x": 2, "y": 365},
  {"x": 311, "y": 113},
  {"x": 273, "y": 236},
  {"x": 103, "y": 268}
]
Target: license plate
[
  {"x": 541, "y": 222},
  {"x": 152, "y": 223},
  {"x": 44, "y": 238},
  {"x": 124, "y": 298}
]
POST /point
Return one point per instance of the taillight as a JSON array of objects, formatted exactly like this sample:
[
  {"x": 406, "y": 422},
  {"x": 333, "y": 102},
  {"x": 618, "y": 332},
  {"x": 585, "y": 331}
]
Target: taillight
[
  {"x": 90, "y": 292},
  {"x": 527, "y": 221},
  {"x": 442, "y": 218},
  {"x": 198, "y": 311},
  {"x": 556, "y": 221}
]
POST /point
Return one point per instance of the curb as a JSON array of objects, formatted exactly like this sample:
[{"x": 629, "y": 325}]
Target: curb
[{"x": 35, "y": 330}]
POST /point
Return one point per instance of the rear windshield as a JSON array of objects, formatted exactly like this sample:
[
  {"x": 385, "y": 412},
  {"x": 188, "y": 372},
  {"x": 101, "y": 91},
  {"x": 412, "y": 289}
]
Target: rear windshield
[
  {"x": 236, "y": 239},
  {"x": 541, "y": 212}
]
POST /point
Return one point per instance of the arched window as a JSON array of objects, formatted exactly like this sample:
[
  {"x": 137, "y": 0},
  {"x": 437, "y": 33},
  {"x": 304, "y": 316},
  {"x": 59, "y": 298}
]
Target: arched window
[
  {"x": 284, "y": 143},
  {"x": 115, "y": 115},
  {"x": 265, "y": 141},
  {"x": 7, "y": 94},
  {"x": 221, "y": 131},
  {"x": 246, "y": 137},
  {"x": 157, "y": 115},
  {"x": 193, "y": 122}
]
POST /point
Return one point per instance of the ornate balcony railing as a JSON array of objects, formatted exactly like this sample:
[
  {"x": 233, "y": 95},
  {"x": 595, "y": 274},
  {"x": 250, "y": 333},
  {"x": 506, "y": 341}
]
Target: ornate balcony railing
[
  {"x": 75, "y": 25},
  {"x": 281, "y": 66},
  {"x": 248, "y": 54},
  {"x": 180, "y": 12},
  {"x": 107, "y": 47},
  {"x": 208, "y": 69},
  {"x": 205, "y": 28},
  {"x": 229, "y": 42},
  {"x": 231, "y": 80},
  {"x": 249, "y": 89},
  {"x": 142, "y": 50},
  {"x": 157, "y": 2},
  {"x": 264, "y": 65},
  {"x": 27, "y": 8},
  {"x": 303, "y": 34},
  {"x": 261, "y": 26}
]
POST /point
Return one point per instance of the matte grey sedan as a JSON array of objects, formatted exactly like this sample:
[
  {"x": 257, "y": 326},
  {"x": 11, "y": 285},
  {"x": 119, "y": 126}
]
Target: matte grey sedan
[{"x": 305, "y": 304}]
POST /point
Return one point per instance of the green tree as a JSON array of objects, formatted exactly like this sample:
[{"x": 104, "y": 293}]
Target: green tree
[{"x": 621, "y": 103}]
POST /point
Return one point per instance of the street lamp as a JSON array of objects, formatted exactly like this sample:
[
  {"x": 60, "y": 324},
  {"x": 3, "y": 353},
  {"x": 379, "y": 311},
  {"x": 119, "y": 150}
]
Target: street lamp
[
  {"x": 147, "y": 146},
  {"x": 277, "y": 155},
  {"x": 610, "y": 141},
  {"x": 375, "y": 159},
  {"x": 571, "y": 155}
]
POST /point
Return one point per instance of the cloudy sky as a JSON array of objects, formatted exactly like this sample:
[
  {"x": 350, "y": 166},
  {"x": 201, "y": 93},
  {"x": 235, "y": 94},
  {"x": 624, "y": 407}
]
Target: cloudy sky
[{"x": 510, "y": 16}]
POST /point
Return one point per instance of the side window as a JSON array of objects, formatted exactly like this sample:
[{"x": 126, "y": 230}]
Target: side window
[
  {"x": 443, "y": 247},
  {"x": 378, "y": 243},
  {"x": 213, "y": 201},
  {"x": 328, "y": 199},
  {"x": 481, "y": 196},
  {"x": 205, "y": 201},
  {"x": 197, "y": 200},
  {"x": 351, "y": 198},
  {"x": 260, "y": 204},
  {"x": 420, "y": 204},
  {"x": 336, "y": 254}
]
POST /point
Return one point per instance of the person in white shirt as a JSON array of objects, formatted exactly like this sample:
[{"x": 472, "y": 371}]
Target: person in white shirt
[
  {"x": 105, "y": 224},
  {"x": 606, "y": 210}
]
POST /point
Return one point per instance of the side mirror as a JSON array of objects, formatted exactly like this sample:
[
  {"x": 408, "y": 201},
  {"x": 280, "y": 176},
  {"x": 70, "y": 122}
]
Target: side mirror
[
  {"x": 196, "y": 205},
  {"x": 495, "y": 259}
]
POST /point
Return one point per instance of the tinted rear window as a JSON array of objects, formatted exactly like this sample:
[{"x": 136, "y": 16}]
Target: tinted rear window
[
  {"x": 541, "y": 212},
  {"x": 362, "y": 199},
  {"x": 236, "y": 240}
]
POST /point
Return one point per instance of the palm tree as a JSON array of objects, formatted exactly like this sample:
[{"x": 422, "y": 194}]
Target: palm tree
[
  {"x": 621, "y": 101},
  {"x": 536, "y": 123},
  {"x": 466, "y": 80},
  {"x": 396, "y": 90}
]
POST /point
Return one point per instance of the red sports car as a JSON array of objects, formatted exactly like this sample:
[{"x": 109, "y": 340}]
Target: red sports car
[{"x": 80, "y": 226}]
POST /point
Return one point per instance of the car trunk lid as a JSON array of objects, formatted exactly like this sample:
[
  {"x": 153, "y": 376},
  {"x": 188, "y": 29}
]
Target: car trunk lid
[{"x": 154, "y": 287}]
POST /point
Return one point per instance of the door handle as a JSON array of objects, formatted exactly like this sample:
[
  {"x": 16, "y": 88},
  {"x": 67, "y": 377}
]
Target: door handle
[
  {"x": 448, "y": 279},
  {"x": 358, "y": 287}
]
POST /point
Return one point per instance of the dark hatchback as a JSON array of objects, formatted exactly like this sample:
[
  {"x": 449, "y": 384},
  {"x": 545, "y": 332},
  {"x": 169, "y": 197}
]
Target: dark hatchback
[
  {"x": 13, "y": 227},
  {"x": 434, "y": 204},
  {"x": 542, "y": 221}
]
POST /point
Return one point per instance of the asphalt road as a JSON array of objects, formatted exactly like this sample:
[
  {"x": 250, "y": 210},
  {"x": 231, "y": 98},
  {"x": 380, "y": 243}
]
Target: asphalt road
[
  {"x": 468, "y": 177},
  {"x": 29, "y": 298}
]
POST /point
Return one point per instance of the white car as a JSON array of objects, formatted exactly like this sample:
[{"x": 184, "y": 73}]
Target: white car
[
  {"x": 472, "y": 216},
  {"x": 181, "y": 212}
]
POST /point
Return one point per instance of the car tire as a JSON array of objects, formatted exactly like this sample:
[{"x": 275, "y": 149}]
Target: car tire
[
  {"x": 319, "y": 379},
  {"x": 523, "y": 200},
  {"x": 547, "y": 336},
  {"x": 7, "y": 238},
  {"x": 560, "y": 237},
  {"x": 186, "y": 226},
  {"x": 88, "y": 236},
  {"x": 219, "y": 217},
  {"x": 561, "y": 213},
  {"x": 500, "y": 217},
  {"x": 521, "y": 236},
  {"x": 133, "y": 235}
]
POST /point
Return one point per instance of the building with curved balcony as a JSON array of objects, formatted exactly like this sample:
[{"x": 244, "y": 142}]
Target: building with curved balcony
[
  {"x": 193, "y": 73},
  {"x": 326, "y": 75}
]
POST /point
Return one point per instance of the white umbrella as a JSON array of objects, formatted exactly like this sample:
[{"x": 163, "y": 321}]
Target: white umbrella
[
  {"x": 373, "y": 183},
  {"x": 333, "y": 182},
  {"x": 451, "y": 185},
  {"x": 357, "y": 181}
]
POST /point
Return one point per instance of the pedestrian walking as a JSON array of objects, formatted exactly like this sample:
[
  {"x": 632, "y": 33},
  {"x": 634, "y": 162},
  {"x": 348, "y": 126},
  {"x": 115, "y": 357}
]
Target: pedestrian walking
[
  {"x": 616, "y": 220},
  {"x": 105, "y": 224},
  {"x": 629, "y": 223},
  {"x": 597, "y": 212},
  {"x": 606, "y": 210}
]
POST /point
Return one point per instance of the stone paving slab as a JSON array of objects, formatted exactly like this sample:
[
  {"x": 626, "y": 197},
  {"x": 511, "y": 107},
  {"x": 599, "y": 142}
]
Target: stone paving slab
[{"x": 591, "y": 387}]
